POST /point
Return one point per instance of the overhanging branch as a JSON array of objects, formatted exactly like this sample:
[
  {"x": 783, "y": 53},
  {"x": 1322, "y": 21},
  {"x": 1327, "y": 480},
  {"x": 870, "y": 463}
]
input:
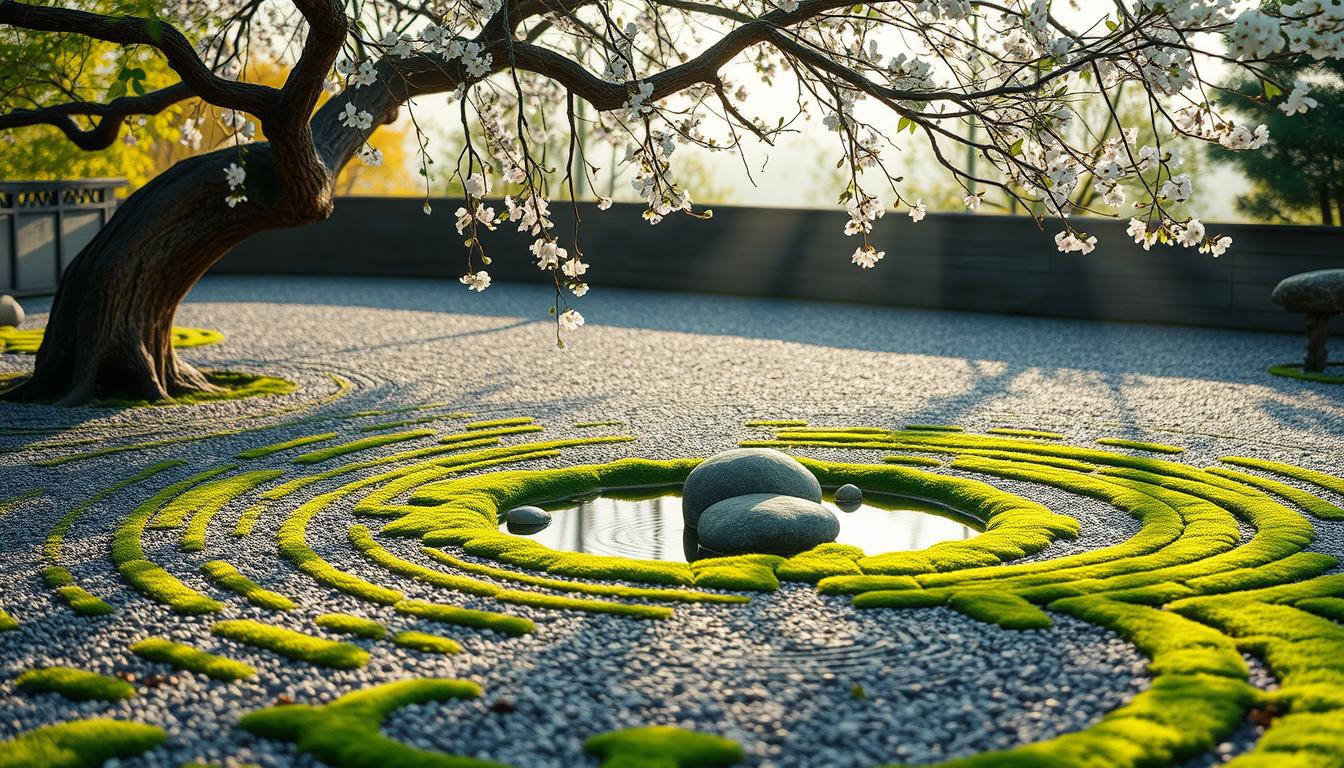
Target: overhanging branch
[
  {"x": 134, "y": 30},
  {"x": 112, "y": 115}
]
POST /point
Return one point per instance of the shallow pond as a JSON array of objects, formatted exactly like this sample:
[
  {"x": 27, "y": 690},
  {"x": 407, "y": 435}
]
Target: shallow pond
[{"x": 652, "y": 528}]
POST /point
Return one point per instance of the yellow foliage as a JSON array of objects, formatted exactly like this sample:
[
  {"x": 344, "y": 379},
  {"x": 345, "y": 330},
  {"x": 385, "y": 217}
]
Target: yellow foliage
[{"x": 43, "y": 153}]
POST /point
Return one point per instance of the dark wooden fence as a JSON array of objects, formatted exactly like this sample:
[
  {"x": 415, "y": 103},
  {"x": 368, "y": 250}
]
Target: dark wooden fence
[{"x": 948, "y": 261}]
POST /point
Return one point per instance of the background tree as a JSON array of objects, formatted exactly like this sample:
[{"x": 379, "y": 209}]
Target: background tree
[
  {"x": 1298, "y": 176},
  {"x": 654, "y": 75}
]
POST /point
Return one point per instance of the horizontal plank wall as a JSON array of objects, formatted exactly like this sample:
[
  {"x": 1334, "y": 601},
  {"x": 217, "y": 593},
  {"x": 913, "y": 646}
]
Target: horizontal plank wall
[{"x": 949, "y": 261}]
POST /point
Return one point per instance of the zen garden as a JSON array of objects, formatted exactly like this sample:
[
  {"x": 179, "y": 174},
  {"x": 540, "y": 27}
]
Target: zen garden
[{"x": 671, "y": 383}]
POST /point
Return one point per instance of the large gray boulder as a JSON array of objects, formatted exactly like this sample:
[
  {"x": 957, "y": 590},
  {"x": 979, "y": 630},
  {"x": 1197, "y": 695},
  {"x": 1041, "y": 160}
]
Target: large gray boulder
[
  {"x": 11, "y": 312},
  {"x": 1320, "y": 296},
  {"x": 744, "y": 471},
  {"x": 763, "y": 523}
]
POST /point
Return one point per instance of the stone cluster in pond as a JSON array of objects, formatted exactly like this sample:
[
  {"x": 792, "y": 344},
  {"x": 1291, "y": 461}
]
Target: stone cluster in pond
[{"x": 756, "y": 500}]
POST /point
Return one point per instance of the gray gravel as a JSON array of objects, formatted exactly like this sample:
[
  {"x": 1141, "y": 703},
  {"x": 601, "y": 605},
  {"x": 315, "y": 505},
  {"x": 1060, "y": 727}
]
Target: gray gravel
[{"x": 684, "y": 372}]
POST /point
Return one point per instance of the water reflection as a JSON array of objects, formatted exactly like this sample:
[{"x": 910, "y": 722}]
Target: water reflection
[{"x": 652, "y": 529}]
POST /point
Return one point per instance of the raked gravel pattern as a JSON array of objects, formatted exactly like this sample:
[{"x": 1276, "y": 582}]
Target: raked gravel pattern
[{"x": 683, "y": 372}]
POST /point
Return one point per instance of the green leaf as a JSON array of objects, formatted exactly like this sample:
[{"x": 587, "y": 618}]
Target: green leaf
[
  {"x": 117, "y": 90},
  {"x": 1271, "y": 90},
  {"x": 138, "y": 86},
  {"x": 1016, "y": 149}
]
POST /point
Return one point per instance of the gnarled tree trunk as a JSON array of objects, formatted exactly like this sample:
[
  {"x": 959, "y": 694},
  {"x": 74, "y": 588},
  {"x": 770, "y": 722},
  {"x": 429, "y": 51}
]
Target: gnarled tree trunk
[{"x": 110, "y": 329}]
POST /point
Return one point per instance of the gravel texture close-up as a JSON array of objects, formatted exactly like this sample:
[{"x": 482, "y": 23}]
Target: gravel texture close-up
[{"x": 798, "y": 678}]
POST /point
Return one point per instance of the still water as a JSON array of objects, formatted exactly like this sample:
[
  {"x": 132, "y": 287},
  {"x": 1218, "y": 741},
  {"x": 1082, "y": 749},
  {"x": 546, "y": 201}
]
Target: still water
[{"x": 652, "y": 529}]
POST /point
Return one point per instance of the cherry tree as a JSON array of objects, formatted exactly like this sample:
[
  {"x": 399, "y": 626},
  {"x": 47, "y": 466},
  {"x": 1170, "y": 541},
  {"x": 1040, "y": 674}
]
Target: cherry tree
[{"x": 992, "y": 89}]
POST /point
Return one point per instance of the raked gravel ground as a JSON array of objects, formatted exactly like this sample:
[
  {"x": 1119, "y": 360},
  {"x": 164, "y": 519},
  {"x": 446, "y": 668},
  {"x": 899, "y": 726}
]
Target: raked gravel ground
[{"x": 683, "y": 372}]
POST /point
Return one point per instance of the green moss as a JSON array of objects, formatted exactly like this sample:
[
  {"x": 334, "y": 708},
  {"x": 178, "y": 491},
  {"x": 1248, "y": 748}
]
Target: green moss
[
  {"x": 586, "y": 605},
  {"x": 153, "y": 581},
  {"x": 1137, "y": 445},
  {"x": 402, "y": 423},
  {"x": 298, "y": 442},
  {"x": 185, "y": 657},
  {"x": 51, "y": 549},
  {"x": 208, "y": 500},
  {"x": 935, "y": 427},
  {"x": 1328, "y": 482},
  {"x": 596, "y": 590},
  {"x": 10, "y": 504},
  {"x": 147, "y": 577},
  {"x": 596, "y": 424},
  {"x": 363, "y": 541},
  {"x": 1294, "y": 371},
  {"x": 509, "y": 422},
  {"x": 343, "y": 388},
  {"x": 26, "y": 342},
  {"x": 1006, "y": 610},
  {"x": 80, "y": 601},
  {"x": 79, "y": 744},
  {"x": 347, "y": 732},
  {"x": 363, "y": 444},
  {"x": 1312, "y": 505},
  {"x": 745, "y": 573},
  {"x": 902, "y": 598},
  {"x": 352, "y": 625},
  {"x": 912, "y": 461},
  {"x": 425, "y": 642},
  {"x": 7, "y": 623},
  {"x": 230, "y": 385},
  {"x": 1036, "y": 433},
  {"x": 247, "y": 520},
  {"x": 466, "y": 617},
  {"x": 228, "y": 577},
  {"x": 291, "y": 644},
  {"x": 298, "y": 483},
  {"x": 1326, "y": 607},
  {"x": 663, "y": 746},
  {"x": 74, "y": 684}
]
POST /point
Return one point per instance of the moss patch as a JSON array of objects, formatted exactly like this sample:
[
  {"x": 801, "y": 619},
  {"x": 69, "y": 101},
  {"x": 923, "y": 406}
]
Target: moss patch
[
  {"x": 291, "y": 644},
  {"x": 1294, "y": 371},
  {"x": 346, "y": 733},
  {"x": 233, "y": 385},
  {"x": 79, "y": 744},
  {"x": 74, "y": 684},
  {"x": 348, "y": 624},
  {"x": 189, "y": 659},
  {"x": 228, "y": 577},
  {"x": 663, "y": 746},
  {"x": 1138, "y": 445},
  {"x": 425, "y": 642}
]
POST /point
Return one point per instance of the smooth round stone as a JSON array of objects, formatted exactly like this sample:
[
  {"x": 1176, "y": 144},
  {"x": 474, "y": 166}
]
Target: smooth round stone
[
  {"x": 1320, "y": 292},
  {"x": 11, "y": 312},
  {"x": 527, "y": 519},
  {"x": 763, "y": 523},
  {"x": 745, "y": 471},
  {"x": 848, "y": 497}
]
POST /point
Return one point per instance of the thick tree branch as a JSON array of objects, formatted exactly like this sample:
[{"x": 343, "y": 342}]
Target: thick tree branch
[
  {"x": 133, "y": 30},
  {"x": 113, "y": 114},
  {"x": 327, "y": 28}
]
